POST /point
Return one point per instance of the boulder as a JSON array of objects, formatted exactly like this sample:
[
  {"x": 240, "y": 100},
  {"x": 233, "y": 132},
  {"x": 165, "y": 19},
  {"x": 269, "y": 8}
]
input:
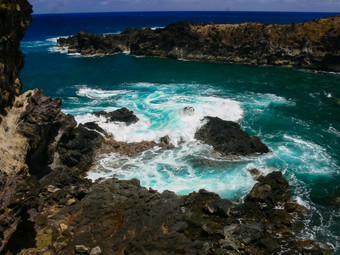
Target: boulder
[
  {"x": 227, "y": 138},
  {"x": 120, "y": 115}
]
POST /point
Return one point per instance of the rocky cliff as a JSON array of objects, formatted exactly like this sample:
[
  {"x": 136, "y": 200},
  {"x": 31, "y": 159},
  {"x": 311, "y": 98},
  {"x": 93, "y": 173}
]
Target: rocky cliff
[
  {"x": 310, "y": 45},
  {"x": 48, "y": 207},
  {"x": 15, "y": 15}
]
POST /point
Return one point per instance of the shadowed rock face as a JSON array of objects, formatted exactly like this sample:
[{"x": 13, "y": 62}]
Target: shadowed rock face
[
  {"x": 15, "y": 15},
  {"x": 227, "y": 138},
  {"x": 309, "y": 45}
]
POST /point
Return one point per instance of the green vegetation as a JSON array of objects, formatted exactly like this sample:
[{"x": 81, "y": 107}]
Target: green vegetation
[{"x": 10, "y": 6}]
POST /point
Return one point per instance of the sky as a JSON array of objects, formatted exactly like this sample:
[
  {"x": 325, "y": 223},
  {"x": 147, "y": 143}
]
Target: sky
[{"x": 72, "y": 6}]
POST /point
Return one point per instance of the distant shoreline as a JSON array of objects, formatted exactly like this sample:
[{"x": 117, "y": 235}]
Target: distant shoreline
[{"x": 163, "y": 12}]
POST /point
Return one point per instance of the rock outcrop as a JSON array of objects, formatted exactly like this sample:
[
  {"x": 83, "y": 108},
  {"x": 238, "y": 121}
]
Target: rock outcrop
[
  {"x": 15, "y": 15},
  {"x": 38, "y": 142},
  {"x": 120, "y": 115},
  {"x": 309, "y": 45},
  {"x": 121, "y": 217},
  {"x": 227, "y": 138}
]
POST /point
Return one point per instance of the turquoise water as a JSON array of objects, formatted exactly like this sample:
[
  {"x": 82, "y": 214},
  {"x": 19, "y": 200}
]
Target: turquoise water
[{"x": 296, "y": 113}]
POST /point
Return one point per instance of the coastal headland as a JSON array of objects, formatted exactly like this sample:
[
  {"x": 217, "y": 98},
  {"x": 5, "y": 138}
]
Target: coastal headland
[{"x": 313, "y": 45}]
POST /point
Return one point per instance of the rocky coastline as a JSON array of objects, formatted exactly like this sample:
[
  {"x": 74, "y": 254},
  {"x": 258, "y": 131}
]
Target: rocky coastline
[
  {"x": 310, "y": 45},
  {"x": 47, "y": 206}
]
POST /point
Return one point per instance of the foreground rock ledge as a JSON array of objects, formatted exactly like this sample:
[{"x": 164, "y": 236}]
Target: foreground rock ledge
[{"x": 311, "y": 45}]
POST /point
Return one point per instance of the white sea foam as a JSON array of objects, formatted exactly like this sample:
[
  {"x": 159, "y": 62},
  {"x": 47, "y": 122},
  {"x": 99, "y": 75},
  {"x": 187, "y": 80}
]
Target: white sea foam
[
  {"x": 35, "y": 44},
  {"x": 302, "y": 152},
  {"x": 170, "y": 170},
  {"x": 113, "y": 33},
  {"x": 49, "y": 44},
  {"x": 157, "y": 27},
  {"x": 333, "y": 131},
  {"x": 265, "y": 100},
  {"x": 161, "y": 114},
  {"x": 84, "y": 91},
  {"x": 56, "y": 49}
]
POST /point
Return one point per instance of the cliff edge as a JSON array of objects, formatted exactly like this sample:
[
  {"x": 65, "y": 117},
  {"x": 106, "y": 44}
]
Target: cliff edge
[{"x": 15, "y": 16}]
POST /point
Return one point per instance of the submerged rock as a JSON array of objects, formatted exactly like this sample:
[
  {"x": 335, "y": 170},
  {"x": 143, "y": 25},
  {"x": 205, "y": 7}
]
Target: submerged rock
[
  {"x": 120, "y": 115},
  {"x": 189, "y": 111},
  {"x": 227, "y": 138}
]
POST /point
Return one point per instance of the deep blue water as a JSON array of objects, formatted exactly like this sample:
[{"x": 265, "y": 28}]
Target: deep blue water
[
  {"x": 296, "y": 113},
  {"x": 52, "y": 25}
]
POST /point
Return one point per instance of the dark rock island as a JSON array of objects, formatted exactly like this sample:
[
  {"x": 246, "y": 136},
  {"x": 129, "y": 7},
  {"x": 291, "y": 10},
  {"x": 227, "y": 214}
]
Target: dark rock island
[
  {"x": 311, "y": 45},
  {"x": 227, "y": 138},
  {"x": 120, "y": 115},
  {"x": 47, "y": 206}
]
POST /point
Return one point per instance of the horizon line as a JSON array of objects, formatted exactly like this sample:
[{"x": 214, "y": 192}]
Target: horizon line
[{"x": 61, "y": 13}]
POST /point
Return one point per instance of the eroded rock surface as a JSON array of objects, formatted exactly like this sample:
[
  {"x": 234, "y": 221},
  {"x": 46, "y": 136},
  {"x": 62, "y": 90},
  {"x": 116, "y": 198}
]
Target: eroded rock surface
[
  {"x": 227, "y": 138},
  {"x": 309, "y": 45},
  {"x": 38, "y": 141}
]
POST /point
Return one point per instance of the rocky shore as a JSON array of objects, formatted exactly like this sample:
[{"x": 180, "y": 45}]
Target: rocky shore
[
  {"x": 47, "y": 206},
  {"x": 311, "y": 45}
]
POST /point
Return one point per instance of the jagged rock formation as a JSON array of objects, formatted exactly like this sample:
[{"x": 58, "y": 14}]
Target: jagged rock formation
[
  {"x": 37, "y": 140},
  {"x": 48, "y": 207},
  {"x": 120, "y": 115},
  {"x": 309, "y": 45},
  {"x": 227, "y": 138},
  {"x": 15, "y": 15}
]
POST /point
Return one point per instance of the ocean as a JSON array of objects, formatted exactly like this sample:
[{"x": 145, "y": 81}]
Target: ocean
[{"x": 295, "y": 112}]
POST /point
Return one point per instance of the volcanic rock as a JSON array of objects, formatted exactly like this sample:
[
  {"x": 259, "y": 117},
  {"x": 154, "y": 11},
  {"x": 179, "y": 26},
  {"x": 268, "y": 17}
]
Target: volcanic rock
[
  {"x": 308, "y": 45},
  {"x": 15, "y": 16},
  {"x": 120, "y": 115},
  {"x": 227, "y": 138}
]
